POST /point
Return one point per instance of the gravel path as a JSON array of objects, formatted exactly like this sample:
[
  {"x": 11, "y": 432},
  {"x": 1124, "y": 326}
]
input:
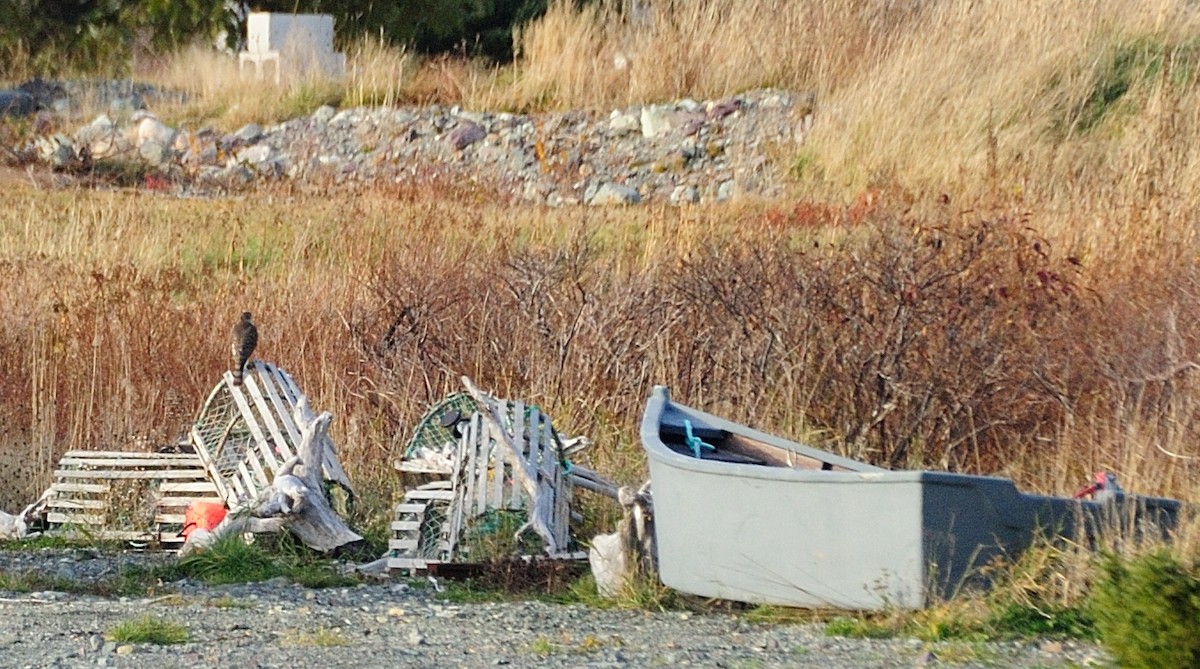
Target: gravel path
[{"x": 409, "y": 624}]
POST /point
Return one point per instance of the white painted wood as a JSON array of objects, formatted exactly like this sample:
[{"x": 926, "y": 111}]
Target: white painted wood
[
  {"x": 276, "y": 439},
  {"x": 260, "y": 445},
  {"x": 520, "y": 448},
  {"x": 109, "y": 474},
  {"x": 282, "y": 409},
  {"x": 60, "y": 487}
]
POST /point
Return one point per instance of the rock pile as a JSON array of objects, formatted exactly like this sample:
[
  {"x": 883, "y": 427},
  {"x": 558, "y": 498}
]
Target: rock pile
[{"x": 685, "y": 152}]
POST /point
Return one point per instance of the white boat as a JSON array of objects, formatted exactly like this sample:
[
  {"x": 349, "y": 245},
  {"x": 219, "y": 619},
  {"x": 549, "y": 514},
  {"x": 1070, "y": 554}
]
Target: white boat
[{"x": 743, "y": 515}]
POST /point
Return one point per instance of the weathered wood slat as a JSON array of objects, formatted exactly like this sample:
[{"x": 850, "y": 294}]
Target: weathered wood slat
[
  {"x": 223, "y": 488},
  {"x": 521, "y": 444},
  {"x": 129, "y": 462},
  {"x": 405, "y": 507},
  {"x": 483, "y": 458},
  {"x": 199, "y": 486},
  {"x": 129, "y": 455},
  {"x": 282, "y": 410},
  {"x": 166, "y": 502},
  {"x": 403, "y": 544},
  {"x": 74, "y": 518},
  {"x": 61, "y": 503},
  {"x": 108, "y": 474},
  {"x": 406, "y": 525},
  {"x": 274, "y": 438},
  {"x": 259, "y": 446},
  {"x": 423, "y": 467},
  {"x": 62, "y": 486},
  {"x": 430, "y": 494}
]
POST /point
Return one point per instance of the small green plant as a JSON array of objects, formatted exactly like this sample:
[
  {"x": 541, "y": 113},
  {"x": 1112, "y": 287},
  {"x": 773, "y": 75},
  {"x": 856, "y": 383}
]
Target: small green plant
[
  {"x": 228, "y": 602},
  {"x": 858, "y": 628},
  {"x": 543, "y": 646},
  {"x": 1147, "y": 611},
  {"x": 323, "y": 637},
  {"x": 148, "y": 629}
]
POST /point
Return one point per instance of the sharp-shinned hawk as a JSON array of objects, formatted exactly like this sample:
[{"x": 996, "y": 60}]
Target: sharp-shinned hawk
[{"x": 245, "y": 338}]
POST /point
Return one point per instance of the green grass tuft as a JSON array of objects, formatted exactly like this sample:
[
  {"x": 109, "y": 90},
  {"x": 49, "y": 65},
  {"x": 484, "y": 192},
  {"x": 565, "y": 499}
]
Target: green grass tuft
[{"x": 148, "y": 629}]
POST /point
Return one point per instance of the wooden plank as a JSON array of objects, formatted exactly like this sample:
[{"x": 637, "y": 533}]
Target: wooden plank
[
  {"x": 535, "y": 455},
  {"x": 74, "y": 518},
  {"x": 282, "y": 409},
  {"x": 61, "y": 487},
  {"x": 75, "y": 503},
  {"x": 483, "y": 458},
  {"x": 403, "y": 544},
  {"x": 199, "y": 486},
  {"x": 406, "y": 525},
  {"x": 169, "y": 502},
  {"x": 108, "y": 474},
  {"x": 117, "y": 455},
  {"x": 268, "y": 418},
  {"x": 260, "y": 440},
  {"x": 424, "y": 467},
  {"x": 169, "y": 518},
  {"x": 476, "y": 435},
  {"x": 214, "y": 475},
  {"x": 131, "y": 462},
  {"x": 429, "y": 494},
  {"x": 521, "y": 444}
]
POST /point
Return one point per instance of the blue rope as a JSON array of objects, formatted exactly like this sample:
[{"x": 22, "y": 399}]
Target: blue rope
[{"x": 695, "y": 443}]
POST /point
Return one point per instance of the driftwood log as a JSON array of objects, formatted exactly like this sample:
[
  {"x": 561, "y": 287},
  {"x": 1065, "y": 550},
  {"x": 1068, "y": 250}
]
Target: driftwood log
[
  {"x": 295, "y": 501},
  {"x": 630, "y": 552}
]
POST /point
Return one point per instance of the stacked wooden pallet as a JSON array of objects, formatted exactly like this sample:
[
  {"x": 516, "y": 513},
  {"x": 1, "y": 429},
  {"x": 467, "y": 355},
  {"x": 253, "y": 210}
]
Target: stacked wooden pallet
[{"x": 127, "y": 496}]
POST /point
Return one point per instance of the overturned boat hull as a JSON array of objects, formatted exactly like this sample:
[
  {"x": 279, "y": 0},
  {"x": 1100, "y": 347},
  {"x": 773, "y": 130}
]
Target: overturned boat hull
[{"x": 756, "y": 518}]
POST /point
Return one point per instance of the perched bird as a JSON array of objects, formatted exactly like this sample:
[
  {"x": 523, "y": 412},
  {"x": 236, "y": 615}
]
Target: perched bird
[{"x": 245, "y": 338}]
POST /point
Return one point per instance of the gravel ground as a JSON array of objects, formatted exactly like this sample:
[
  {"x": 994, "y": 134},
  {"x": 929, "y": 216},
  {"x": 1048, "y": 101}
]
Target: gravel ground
[{"x": 400, "y": 623}]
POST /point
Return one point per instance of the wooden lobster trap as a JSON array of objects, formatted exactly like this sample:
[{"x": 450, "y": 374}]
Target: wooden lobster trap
[
  {"x": 245, "y": 433},
  {"x": 124, "y": 496},
  {"x": 506, "y": 475}
]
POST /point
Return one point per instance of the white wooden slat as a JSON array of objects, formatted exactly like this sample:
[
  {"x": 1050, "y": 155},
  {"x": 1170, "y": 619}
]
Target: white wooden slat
[
  {"x": 108, "y": 474},
  {"x": 429, "y": 494},
  {"x": 199, "y": 486},
  {"x": 250, "y": 483},
  {"x": 483, "y": 458},
  {"x": 260, "y": 439},
  {"x": 75, "y": 503},
  {"x": 478, "y": 435},
  {"x": 169, "y": 518},
  {"x": 287, "y": 384},
  {"x": 129, "y": 462},
  {"x": 119, "y": 455},
  {"x": 422, "y": 467},
  {"x": 185, "y": 501},
  {"x": 283, "y": 409},
  {"x": 61, "y": 487},
  {"x": 409, "y": 508},
  {"x": 268, "y": 418},
  {"x": 521, "y": 444},
  {"x": 535, "y": 452},
  {"x": 403, "y": 544},
  {"x": 61, "y": 518},
  {"x": 213, "y": 474},
  {"x": 406, "y": 525}
]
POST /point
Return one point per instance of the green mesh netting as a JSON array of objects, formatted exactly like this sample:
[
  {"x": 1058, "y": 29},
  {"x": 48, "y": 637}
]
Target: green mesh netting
[{"x": 433, "y": 434}]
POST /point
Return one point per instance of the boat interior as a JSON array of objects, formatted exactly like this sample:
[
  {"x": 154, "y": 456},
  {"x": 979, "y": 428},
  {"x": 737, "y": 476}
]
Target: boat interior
[{"x": 725, "y": 446}]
